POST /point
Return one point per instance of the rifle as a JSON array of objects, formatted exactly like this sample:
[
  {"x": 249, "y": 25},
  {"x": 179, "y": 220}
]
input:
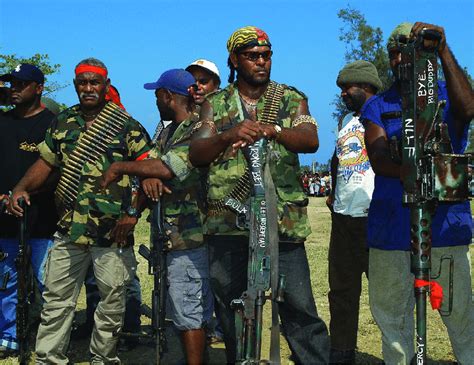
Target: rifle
[
  {"x": 431, "y": 173},
  {"x": 156, "y": 258},
  {"x": 249, "y": 307},
  {"x": 24, "y": 287},
  {"x": 3, "y": 255}
]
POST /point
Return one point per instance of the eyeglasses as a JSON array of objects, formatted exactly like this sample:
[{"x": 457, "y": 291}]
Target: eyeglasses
[{"x": 254, "y": 56}]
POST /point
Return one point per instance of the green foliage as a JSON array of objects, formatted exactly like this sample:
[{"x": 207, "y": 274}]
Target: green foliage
[
  {"x": 363, "y": 42},
  {"x": 9, "y": 62}
]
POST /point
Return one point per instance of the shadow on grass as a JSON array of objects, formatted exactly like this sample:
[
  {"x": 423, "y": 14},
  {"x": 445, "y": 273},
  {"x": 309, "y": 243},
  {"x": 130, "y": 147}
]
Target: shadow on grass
[
  {"x": 364, "y": 358},
  {"x": 144, "y": 353}
]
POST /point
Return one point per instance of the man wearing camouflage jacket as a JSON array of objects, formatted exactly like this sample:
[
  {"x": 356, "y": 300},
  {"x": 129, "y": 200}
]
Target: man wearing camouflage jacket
[
  {"x": 230, "y": 120},
  {"x": 190, "y": 300},
  {"x": 88, "y": 228}
]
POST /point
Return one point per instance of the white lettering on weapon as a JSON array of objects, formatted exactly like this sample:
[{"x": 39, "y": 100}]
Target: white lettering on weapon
[
  {"x": 420, "y": 349},
  {"x": 409, "y": 132},
  {"x": 262, "y": 231},
  {"x": 431, "y": 82},
  {"x": 421, "y": 84}
]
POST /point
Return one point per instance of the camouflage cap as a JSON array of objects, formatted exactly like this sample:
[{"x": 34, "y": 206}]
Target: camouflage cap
[
  {"x": 359, "y": 72},
  {"x": 402, "y": 29},
  {"x": 246, "y": 37}
]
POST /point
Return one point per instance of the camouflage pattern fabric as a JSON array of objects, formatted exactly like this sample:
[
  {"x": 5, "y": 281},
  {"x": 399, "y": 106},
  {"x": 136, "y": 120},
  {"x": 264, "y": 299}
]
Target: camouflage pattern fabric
[
  {"x": 184, "y": 207},
  {"x": 227, "y": 169},
  {"x": 96, "y": 211}
]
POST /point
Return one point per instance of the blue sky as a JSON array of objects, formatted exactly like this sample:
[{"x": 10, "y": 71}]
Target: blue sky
[{"x": 138, "y": 40}]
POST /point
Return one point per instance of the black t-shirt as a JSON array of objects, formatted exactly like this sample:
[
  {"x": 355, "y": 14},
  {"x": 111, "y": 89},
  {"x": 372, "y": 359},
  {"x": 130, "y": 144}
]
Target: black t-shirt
[{"x": 19, "y": 140}]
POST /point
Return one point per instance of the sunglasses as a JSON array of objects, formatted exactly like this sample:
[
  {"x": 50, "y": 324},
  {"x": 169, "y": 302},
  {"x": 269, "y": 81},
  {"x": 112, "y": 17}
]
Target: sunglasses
[{"x": 254, "y": 56}]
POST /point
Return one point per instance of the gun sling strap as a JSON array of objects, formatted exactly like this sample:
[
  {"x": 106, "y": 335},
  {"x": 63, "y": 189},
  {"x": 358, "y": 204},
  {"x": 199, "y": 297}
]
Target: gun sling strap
[
  {"x": 241, "y": 191},
  {"x": 90, "y": 147}
]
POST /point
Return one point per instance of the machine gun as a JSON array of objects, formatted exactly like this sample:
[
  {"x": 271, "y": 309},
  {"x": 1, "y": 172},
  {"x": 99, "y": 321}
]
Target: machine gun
[
  {"x": 25, "y": 286},
  {"x": 249, "y": 307},
  {"x": 431, "y": 173},
  {"x": 3, "y": 255},
  {"x": 156, "y": 258}
]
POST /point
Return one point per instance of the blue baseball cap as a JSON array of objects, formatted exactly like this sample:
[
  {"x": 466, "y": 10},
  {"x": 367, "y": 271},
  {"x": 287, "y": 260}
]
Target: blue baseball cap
[
  {"x": 176, "y": 80},
  {"x": 26, "y": 72}
]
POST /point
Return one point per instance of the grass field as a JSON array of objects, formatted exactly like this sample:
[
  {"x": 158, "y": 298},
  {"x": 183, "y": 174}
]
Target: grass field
[{"x": 369, "y": 342}]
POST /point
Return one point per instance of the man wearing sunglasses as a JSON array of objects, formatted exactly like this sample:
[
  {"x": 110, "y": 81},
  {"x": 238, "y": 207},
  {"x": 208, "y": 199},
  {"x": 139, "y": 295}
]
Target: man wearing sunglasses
[
  {"x": 391, "y": 295},
  {"x": 23, "y": 129},
  {"x": 230, "y": 120}
]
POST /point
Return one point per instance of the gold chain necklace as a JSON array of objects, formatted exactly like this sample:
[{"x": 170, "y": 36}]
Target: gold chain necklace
[{"x": 248, "y": 101}]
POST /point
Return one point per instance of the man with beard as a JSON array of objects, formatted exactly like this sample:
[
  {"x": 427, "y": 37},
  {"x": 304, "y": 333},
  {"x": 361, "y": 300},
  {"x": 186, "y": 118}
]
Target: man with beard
[
  {"x": 183, "y": 207},
  {"x": 207, "y": 79},
  {"x": 391, "y": 282},
  {"x": 23, "y": 129},
  {"x": 352, "y": 186},
  {"x": 230, "y": 120},
  {"x": 82, "y": 142}
]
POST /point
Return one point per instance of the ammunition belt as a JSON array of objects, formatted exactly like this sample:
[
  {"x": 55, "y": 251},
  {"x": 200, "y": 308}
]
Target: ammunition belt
[
  {"x": 241, "y": 190},
  {"x": 89, "y": 148}
]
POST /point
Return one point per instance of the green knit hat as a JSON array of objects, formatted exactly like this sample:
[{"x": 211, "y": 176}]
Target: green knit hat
[
  {"x": 359, "y": 72},
  {"x": 402, "y": 29}
]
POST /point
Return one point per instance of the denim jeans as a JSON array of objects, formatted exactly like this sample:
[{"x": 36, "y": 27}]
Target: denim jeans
[
  {"x": 305, "y": 332},
  {"x": 8, "y": 297}
]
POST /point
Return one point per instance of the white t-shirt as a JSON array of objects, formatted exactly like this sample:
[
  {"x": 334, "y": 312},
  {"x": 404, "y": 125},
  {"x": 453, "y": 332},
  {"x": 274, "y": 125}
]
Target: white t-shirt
[{"x": 355, "y": 177}]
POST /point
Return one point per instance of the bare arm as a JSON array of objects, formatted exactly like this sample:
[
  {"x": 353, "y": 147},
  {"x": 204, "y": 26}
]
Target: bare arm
[
  {"x": 34, "y": 178},
  {"x": 207, "y": 144},
  {"x": 460, "y": 91},
  {"x": 300, "y": 139},
  {"x": 145, "y": 168},
  {"x": 334, "y": 164},
  {"x": 378, "y": 149}
]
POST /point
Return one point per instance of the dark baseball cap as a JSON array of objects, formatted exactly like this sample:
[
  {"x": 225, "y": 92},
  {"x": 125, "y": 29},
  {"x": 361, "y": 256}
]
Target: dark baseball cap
[
  {"x": 175, "y": 80},
  {"x": 26, "y": 72}
]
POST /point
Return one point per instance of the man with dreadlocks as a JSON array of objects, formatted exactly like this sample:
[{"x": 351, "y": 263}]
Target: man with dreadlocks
[
  {"x": 82, "y": 142},
  {"x": 231, "y": 119}
]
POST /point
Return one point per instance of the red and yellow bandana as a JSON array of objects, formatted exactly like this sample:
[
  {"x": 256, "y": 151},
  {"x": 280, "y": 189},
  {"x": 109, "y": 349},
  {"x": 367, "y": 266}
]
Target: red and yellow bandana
[{"x": 246, "y": 37}]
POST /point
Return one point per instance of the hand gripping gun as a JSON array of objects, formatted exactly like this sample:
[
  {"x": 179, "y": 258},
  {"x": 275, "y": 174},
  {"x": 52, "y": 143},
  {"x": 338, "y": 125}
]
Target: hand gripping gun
[
  {"x": 431, "y": 173},
  {"x": 261, "y": 264}
]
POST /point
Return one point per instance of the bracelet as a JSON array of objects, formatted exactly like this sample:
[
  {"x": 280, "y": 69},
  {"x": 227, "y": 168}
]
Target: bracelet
[{"x": 304, "y": 119}]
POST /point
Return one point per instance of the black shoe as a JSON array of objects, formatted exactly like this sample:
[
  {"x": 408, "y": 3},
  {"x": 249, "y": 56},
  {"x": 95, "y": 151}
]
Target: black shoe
[
  {"x": 342, "y": 356},
  {"x": 7, "y": 352},
  {"x": 127, "y": 344},
  {"x": 82, "y": 331}
]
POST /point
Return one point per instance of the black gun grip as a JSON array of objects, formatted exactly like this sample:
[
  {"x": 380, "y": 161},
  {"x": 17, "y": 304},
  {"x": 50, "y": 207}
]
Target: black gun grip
[{"x": 144, "y": 252}]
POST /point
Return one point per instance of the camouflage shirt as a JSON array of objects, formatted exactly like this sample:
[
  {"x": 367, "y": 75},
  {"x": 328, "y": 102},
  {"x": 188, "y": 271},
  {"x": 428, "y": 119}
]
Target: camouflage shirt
[
  {"x": 95, "y": 211},
  {"x": 183, "y": 208},
  {"x": 227, "y": 169}
]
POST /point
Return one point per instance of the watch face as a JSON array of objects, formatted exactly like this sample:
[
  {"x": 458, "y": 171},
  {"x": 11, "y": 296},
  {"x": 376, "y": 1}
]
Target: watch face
[
  {"x": 277, "y": 128},
  {"x": 132, "y": 212}
]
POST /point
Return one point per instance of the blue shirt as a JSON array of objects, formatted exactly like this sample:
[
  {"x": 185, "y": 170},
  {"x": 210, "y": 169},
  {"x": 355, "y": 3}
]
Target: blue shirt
[{"x": 389, "y": 220}]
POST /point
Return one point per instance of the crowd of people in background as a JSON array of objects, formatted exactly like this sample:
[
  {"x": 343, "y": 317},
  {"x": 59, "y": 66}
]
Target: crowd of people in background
[
  {"x": 105, "y": 171},
  {"x": 317, "y": 183}
]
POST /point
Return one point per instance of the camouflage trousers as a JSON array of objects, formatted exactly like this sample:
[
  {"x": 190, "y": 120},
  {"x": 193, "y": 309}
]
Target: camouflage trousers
[{"x": 66, "y": 269}]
